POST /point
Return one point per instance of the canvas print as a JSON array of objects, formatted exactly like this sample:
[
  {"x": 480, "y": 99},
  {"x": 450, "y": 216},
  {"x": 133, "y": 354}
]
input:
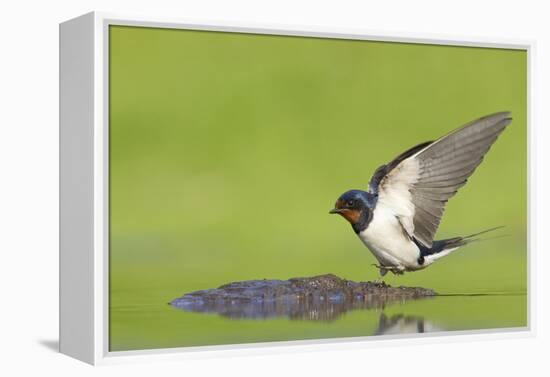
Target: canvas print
[{"x": 271, "y": 188}]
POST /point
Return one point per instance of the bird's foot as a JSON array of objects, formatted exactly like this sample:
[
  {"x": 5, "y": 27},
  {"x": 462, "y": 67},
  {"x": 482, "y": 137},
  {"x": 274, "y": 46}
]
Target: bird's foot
[
  {"x": 379, "y": 281},
  {"x": 384, "y": 270}
]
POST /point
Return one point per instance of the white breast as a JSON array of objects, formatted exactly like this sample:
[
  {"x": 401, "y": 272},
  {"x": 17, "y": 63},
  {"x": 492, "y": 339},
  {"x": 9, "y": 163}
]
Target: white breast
[{"x": 388, "y": 241}]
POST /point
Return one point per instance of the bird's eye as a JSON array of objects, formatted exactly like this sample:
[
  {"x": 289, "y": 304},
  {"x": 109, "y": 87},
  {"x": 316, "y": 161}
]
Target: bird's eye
[{"x": 350, "y": 203}]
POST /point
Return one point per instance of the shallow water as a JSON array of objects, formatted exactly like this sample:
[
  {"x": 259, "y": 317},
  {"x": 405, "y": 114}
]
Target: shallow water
[
  {"x": 473, "y": 294},
  {"x": 162, "y": 326}
]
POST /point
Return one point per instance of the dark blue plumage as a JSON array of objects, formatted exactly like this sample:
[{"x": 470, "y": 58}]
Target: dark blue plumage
[{"x": 360, "y": 202}]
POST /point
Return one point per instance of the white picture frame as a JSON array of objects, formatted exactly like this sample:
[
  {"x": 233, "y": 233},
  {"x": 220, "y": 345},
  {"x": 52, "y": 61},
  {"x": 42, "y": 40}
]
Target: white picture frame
[{"x": 84, "y": 188}]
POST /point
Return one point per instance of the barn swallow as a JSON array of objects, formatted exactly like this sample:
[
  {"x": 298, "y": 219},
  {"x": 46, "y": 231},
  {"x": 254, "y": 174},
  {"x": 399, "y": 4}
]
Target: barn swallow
[{"x": 398, "y": 216}]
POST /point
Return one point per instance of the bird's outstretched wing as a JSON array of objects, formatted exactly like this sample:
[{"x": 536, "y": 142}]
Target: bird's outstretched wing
[{"x": 416, "y": 185}]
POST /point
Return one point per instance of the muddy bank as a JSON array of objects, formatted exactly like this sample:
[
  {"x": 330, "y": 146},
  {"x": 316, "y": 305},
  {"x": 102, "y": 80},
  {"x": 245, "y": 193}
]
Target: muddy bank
[{"x": 323, "y": 297}]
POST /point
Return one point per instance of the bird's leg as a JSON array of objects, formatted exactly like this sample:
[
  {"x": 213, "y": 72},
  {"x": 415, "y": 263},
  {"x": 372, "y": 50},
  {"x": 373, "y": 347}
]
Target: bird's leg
[
  {"x": 397, "y": 271},
  {"x": 383, "y": 271}
]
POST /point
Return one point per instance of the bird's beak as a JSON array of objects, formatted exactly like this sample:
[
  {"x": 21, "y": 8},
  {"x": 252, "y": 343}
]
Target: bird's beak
[{"x": 335, "y": 210}]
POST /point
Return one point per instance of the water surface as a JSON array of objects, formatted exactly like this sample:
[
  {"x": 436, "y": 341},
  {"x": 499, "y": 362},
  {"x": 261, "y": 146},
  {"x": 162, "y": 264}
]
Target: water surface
[{"x": 162, "y": 326}]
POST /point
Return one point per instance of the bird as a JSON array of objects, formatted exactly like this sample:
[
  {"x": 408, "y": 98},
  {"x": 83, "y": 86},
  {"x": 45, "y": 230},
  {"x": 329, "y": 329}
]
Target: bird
[{"x": 399, "y": 214}]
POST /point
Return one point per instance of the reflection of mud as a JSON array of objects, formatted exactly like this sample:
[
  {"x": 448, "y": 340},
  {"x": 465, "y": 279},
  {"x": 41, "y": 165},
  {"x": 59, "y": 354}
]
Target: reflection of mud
[
  {"x": 319, "y": 298},
  {"x": 314, "y": 308},
  {"x": 401, "y": 324}
]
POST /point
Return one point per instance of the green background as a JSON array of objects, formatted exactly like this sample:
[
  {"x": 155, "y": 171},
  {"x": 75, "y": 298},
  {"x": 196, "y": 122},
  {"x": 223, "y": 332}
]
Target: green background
[{"x": 227, "y": 150}]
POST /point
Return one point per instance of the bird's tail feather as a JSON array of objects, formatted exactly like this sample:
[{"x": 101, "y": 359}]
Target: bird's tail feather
[
  {"x": 441, "y": 248},
  {"x": 480, "y": 233}
]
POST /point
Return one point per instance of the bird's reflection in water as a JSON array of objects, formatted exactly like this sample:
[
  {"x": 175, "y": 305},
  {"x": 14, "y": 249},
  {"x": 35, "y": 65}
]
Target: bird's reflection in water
[
  {"x": 404, "y": 324},
  {"x": 312, "y": 308}
]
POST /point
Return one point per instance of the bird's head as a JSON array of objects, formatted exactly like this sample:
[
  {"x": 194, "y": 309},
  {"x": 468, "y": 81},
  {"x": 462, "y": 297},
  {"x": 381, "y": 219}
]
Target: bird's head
[{"x": 354, "y": 206}]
